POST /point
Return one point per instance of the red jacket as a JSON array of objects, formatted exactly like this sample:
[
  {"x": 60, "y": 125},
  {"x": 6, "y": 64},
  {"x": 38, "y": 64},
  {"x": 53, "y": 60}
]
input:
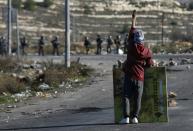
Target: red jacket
[{"x": 138, "y": 57}]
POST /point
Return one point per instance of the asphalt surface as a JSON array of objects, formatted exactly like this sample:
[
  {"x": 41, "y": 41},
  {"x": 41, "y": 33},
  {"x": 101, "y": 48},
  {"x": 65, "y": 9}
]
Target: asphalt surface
[{"x": 91, "y": 108}]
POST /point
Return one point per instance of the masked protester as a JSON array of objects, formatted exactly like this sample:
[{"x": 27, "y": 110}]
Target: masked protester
[{"x": 138, "y": 57}]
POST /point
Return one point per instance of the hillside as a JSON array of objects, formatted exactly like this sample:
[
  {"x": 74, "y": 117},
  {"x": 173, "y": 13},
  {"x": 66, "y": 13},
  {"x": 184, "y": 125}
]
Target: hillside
[{"x": 91, "y": 17}]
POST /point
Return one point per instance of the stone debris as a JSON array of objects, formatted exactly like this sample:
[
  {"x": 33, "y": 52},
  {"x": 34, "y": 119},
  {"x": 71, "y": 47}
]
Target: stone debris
[
  {"x": 43, "y": 94},
  {"x": 172, "y": 103},
  {"x": 14, "y": 75},
  {"x": 36, "y": 66},
  {"x": 68, "y": 86},
  {"x": 162, "y": 63},
  {"x": 44, "y": 87},
  {"x": 120, "y": 52},
  {"x": 172, "y": 62},
  {"x": 26, "y": 66},
  {"x": 62, "y": 85},
  {"x": 156, "y": 63},
  {"x": 185, "y": 61},
  {"x": 5, "y": 94},
  {"x": 47, "y": 95},
  {"x": 76, "y": 80},
  {"x": 188, "y": 67},
  {"x": 172, "y": 94},
  {"x": 39, "y": 94},
  {"x": 11, "y": 106},
  {"x": 172, "y": 99},
  {"x": 25, "y": 94}
]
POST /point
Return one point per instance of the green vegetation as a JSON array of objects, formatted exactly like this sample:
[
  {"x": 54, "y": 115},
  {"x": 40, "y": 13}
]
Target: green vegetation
[
  {"x": 8, "y": 65},
  {"x": 29, "y": 5},
  {"x": 17, "y": 4},
  {"x": 22, "y": 76},
  {"x": 174, "y": 23},
  {"x": 87, "y": 9},
  {"x": 6, "y": 99},
  {"x": 56, "y": 73},
  {"x": 47, "y": 3},
  {"x": 176, "y": 47},
  {"x": 11, "y": 85}
]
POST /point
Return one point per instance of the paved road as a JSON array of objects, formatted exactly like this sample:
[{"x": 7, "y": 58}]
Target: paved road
[
  {"x": 162, "y": 56},
  {"x": 91, "y": 108}
]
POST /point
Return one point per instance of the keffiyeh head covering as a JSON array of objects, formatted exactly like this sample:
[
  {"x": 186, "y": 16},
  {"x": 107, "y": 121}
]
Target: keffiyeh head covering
[{"x": 138, "y": 36}]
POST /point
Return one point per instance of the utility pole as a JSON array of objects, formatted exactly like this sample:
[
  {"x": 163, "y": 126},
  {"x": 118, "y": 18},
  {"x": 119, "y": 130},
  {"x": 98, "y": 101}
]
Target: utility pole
[
  {"x": 18, "y": 36},
  {"x": 9, "y": 26},
  {"x": 67, "y": 34},
  {"x": 163, "y": 28}
]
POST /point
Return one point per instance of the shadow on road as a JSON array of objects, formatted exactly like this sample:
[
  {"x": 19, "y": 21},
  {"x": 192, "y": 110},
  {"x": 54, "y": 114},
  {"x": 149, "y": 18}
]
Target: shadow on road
[{"x": 59, "y": 126}]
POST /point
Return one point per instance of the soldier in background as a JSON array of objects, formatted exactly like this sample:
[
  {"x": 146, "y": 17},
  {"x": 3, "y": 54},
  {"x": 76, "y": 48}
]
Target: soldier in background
[
  {"x": 55, "y": 44},
  {"x": 87, "y": 44},
  {"x": 109, "y": 44},
  {"x": 23, "y": 45},
  {"x": 126, "y": 43},
  {"x": 41, "y": 46},
  {"x": 3, "y": 46},
  {"x": 117, "y": 43},
  {"x": 99, "y": 44}
]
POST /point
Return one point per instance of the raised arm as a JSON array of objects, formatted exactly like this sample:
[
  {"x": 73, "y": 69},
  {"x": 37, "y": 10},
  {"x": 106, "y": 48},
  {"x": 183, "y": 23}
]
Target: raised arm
[
  {"x": 133, "y": 19},
  {"x": 132, "y": 26}
]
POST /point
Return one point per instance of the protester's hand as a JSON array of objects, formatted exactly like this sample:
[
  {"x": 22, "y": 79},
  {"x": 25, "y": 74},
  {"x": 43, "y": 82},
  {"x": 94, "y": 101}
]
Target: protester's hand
[{"x": 134, "y": 14}]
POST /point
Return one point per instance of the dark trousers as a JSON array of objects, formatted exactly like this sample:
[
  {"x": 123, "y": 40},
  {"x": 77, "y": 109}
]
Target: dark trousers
[
  {"x": 117, "y": 49},
  {"x": 108, "y": 48},
  {"x": 87, "y": 49},
  {"x": 132, "y": 89},
  {"x": 41, "y": 51},
  {"x": 23, "y": 51},
  {"x": 98, "y": 49},
  {"x": 55, "y": 51}
]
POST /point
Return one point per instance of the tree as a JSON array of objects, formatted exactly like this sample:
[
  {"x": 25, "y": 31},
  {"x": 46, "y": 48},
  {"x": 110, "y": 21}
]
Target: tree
[
  {"x": 47, "y": 3},
  {"x": 17, "y": 4},
  {"x": 87, "y": 9},
  {"x": 29, "y": 5}
]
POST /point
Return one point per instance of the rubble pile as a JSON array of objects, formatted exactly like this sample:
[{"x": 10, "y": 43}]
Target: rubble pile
[
  {"x": 172, "y": 99},
  {"x": 40, "y": 79}
]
